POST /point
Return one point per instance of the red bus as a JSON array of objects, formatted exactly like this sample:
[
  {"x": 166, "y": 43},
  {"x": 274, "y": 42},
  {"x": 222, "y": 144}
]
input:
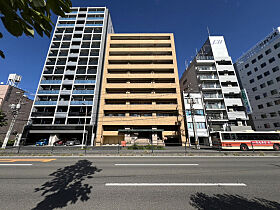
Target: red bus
[{"x": 246, "y": 140}]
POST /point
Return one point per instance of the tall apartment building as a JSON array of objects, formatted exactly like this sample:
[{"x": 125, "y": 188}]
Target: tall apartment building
[
  {"x": 67, "y": 97},
  {"x": 140, "y": 97},
  {"x": 212, "y": 74},
  {"x": 259, "y": 73}
]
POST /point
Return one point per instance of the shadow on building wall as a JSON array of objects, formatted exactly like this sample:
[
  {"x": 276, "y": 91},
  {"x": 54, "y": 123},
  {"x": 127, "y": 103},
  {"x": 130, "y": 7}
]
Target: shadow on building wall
[{"x": 67, "y": 186}]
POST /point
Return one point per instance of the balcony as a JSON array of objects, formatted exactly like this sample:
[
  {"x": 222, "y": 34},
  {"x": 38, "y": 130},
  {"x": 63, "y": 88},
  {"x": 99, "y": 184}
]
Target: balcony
[
  {"x": 217, "y": 118},
  {"x": 81, "y": 102},
  {"x": 214, "y": 107},
  {"x": 228, "y": 78},
  {"x": 205, "y": 58},
  {"x": 48, "y": 92},
  {"x": 42, "y": 114},
  {"x": 94, "y": 25},
  {"x": 206, "y": 68},
  {"x": 83, "y": 92},
  {"x": 61, "y": 18},
  {"x": 233, "y": 102},
  {"x": 211, "y": 86},
  {"x": 84, "y": 81},
  {"x": 69, "y": 72},
  {"x": 94, "y": 18},
  {"x": 237, "y": 115},
  {"x": 93, "y": 12},
  {"x": 65, "y": 25},
  {"x": 67, "y": 82},
  {"x": 208, "y": 77},
  {"x": 65, "y": 92},
  {"x": 209, "y": 96},
  {"x": 45, "y": 102},
  {"x": 61, "y": 114},
  {"x": 50, "y": 81},
  {"x": 63, "y": 103}
]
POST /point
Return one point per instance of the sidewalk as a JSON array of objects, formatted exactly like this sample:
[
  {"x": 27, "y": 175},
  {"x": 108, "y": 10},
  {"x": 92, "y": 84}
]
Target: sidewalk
[{"x": 120, "y": 151}]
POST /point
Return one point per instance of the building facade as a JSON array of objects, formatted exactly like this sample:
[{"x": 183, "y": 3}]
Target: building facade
[
  {"x": 67, "y": 97},
  {"x": 140, "y": 97},
  {"x": 211, "y": 73},
  {"x": 12, "y": 95},
  {"x": 196, "y": 122},
  {"x": 259, "y": 73}
]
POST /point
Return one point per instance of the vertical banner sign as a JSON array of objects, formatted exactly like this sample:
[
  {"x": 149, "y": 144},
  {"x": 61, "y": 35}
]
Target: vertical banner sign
[{"x": 246, "y": 101}]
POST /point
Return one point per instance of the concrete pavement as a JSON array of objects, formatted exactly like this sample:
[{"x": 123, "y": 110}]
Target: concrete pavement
[{"x": 86, "y": 183}]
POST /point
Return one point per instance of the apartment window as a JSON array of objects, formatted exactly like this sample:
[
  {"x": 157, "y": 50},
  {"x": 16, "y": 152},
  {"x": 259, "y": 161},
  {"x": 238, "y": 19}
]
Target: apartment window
[
  {"x": 263, "y": 116},
  {"x": 263, "y": 64},
  {"x": 269, "y": 104},
  {"x": 259, "y": 77},
  {"x": 200, "y": 125},
  {"x": 264, "y": 95},
  {"x": 199, "y": 112},
  {"x": 263, "y": 85},
  {"x": 260, "y": 106},
  {"x": 276, "y": 68},
  {"x": 268, "y": 51},
  {"x": 270, "y": 82},
  {"x": 256, "y": 69},
  {"x": 273, "y": 114},
  {"x": 260, "y": 57},
  {"x": 277, "y": 102},
  {"x": 271, "y": 60},
  {"x": 266, "y": 73},
  {"x": 249, "y": 73},
  {"x": 278, "y": 79},
  {"x": 190, "y": 125},
  {"x": 254, "y": 61},
  {"x": 257, "y": 97},
  {"x": 273, "y": 92},
  {"x": 276, "y": 125},
  {"x": 247, "y": 65},
  {"x": 267, "y": 125},
  {"x": 252, "y": 80},
  {"x": 254, "y": 89},
  {"x": 277, "y": 45}
]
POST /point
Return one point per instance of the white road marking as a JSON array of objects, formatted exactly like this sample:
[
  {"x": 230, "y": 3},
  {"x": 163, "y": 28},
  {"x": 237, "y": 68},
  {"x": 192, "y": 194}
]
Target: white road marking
[
  {"x": 23, "y": 164},
  {"x": 155, "y": 164},
  {"x": 178, "y": 184}
]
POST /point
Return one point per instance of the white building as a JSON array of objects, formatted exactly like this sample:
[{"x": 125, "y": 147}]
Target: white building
[
  {"x": 67, "y": 97},
  {"x": 196, "y": 122},
  {"x": 212, "y": 73},
  {"x": 259, "y": 73}
]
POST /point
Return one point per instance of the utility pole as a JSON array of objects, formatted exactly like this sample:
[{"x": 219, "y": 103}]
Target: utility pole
[
  {"x": 197, "y": 146},
  {"x": 15, "y": 110}
]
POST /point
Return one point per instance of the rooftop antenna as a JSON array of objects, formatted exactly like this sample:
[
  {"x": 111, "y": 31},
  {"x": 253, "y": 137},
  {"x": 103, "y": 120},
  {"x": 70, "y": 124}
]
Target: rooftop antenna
[{"x": 208, "y": 31}]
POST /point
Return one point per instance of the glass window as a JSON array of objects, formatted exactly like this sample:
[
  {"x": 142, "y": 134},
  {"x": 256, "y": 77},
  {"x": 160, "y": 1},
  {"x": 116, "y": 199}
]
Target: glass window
[
  {"x": 266, "y": 73},
  {"x": 268, "y": 51},
  {"x": 276, "y": 68},
  {"x": 200, "y": 125},
  {"x": 277, "y": 45},
  {"x": 271, "y": 60},
  {"x": 263, "y": 64}
]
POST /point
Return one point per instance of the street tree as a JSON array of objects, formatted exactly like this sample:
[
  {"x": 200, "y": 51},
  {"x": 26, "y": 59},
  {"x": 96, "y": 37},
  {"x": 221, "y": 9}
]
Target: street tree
[{"x": 21, "y": 17}]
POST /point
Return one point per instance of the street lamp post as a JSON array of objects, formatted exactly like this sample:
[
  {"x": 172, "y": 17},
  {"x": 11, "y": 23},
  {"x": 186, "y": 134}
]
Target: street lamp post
[{"x": 84, "y": 131}]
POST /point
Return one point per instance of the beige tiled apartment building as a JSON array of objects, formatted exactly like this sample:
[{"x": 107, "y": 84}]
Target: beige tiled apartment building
[{"x": 140, "y": 96}]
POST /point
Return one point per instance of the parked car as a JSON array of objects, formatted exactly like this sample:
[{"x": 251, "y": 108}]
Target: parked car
[
  {"x": 72, "y": 142},
  {"x": 42, "y": 142},
  {"x": 60, "y": 142}
]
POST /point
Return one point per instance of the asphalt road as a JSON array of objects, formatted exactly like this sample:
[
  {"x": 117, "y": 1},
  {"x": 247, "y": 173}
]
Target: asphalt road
[{"x": 157, "y": 183}]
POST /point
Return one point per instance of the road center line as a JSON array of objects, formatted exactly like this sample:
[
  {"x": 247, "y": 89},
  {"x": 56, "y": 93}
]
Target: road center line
[
  {"x": 23, "y": 164},
  {"x": 178, "y": 184},
  {"x": 154, "y": 164}
]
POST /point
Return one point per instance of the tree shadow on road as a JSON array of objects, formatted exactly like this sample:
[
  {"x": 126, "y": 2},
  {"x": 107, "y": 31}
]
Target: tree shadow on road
[
  {"x": 66, "y": 187},
  {"x": 202, "y": 201}
]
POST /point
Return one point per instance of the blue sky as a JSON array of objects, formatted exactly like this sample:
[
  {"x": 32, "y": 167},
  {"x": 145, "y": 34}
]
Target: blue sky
[{"x": 242, "y": 22}]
